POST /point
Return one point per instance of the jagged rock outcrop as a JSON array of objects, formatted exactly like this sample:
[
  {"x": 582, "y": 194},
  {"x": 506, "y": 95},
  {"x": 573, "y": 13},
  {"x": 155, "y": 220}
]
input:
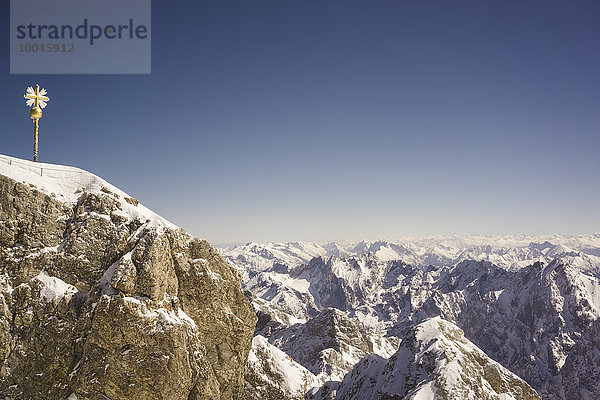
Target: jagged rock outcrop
[{"x": 101, "y": 298}]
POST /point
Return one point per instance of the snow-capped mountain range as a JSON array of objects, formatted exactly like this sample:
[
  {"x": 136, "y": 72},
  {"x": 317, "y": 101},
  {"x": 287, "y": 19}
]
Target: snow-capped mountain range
[
  {"x": 509, "y": 251},
  {"x": 530, "y": 303}
]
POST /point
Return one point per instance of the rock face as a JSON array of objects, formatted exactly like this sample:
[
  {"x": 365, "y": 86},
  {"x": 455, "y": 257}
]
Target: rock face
[
  {"x": 434, "y": 361},
  {"x": 329, "y": 344},
  {"x": 101, "y": 298}
]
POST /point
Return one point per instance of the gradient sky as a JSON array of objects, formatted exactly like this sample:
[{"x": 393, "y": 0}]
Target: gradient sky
[{"x": 328, "y": 120}]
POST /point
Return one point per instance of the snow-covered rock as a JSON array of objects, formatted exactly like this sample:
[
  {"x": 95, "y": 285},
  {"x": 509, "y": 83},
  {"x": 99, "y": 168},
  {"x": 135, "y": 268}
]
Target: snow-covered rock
[
  {"x": 271, "y": 374},
  {"x": 329, "y": 344},
  {"x": 434, "y": 361}
]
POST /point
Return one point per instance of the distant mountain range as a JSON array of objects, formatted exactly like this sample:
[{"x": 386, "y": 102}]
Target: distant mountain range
[
  {"x": 509, "y": 251},
  {"x": 343, "y": 311}
]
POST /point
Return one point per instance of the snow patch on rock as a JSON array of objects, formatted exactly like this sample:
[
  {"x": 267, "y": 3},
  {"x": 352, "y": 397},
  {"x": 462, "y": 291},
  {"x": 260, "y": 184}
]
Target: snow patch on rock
[{"x": 54, "y": 288}]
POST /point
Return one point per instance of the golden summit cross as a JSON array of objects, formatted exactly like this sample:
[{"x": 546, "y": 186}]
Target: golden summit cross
[
  {"x": 37, "y": 99},
  {"x": 37, "y": 96}
]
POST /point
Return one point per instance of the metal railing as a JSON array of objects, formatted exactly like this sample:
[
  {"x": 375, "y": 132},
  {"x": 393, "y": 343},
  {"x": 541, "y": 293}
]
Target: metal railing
[{"x": 28, "y": 166}]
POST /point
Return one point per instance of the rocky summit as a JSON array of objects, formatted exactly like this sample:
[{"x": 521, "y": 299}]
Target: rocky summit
[{"x": 100, "y": 298}]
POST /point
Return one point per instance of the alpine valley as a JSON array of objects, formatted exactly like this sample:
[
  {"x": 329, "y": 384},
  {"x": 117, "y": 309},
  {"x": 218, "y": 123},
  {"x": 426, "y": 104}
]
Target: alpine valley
[{"x": 474, "y": 317}]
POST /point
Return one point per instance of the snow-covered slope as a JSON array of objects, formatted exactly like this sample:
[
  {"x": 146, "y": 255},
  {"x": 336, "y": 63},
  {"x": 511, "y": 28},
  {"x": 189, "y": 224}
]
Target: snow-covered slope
[
  {"x": 434, "y": 361},
  {"x": 272, "y": 374},
  {"x": 67, "y": 185}
]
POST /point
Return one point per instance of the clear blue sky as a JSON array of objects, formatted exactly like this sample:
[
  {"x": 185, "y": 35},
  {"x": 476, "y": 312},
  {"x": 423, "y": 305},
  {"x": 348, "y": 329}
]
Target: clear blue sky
[{"x": 316, "y": 120}]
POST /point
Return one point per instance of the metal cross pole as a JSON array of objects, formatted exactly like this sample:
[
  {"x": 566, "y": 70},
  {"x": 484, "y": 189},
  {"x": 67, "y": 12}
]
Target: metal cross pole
[{"x": 37, "y": 99}]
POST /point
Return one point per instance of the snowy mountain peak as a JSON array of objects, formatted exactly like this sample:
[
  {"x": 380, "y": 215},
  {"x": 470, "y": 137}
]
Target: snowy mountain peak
[{"x": 434, "y": 361}]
